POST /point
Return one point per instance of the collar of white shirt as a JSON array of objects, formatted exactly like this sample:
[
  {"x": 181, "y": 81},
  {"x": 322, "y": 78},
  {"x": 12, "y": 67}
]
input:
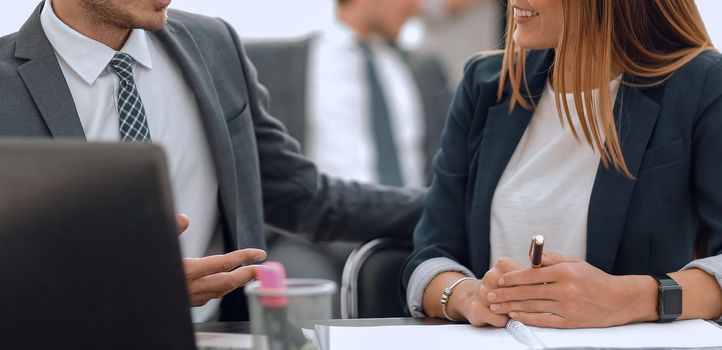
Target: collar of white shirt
[
  {"x": 340, "y": 35},
  {"x": 87, "y": 57}
]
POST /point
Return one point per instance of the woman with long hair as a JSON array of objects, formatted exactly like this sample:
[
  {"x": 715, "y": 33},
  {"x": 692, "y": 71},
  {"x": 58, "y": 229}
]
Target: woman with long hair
[{"x": 599, "y": 127}]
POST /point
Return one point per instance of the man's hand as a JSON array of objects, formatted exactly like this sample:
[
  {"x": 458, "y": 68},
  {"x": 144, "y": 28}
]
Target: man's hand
[
  {"x": 182, "y": 222},
  {"x": 214, "y": 276}
]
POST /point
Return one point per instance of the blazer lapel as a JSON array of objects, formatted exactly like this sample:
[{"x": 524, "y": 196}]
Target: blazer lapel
[
  {"x": 45, "y": 80},
  {"x": 184, "y": 49},
  {"x": 298, "y": 98},
  {"x": 636, "y": 115}
]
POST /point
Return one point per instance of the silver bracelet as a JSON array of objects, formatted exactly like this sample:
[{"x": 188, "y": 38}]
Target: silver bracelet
[{"x": 447, "y": 294}]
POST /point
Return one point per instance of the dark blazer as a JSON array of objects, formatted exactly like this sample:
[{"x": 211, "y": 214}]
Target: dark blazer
[
  {"x": 261, "y": 174},
  {"x": 671, "y": 141},
  {"x": 283, "y": 69}
]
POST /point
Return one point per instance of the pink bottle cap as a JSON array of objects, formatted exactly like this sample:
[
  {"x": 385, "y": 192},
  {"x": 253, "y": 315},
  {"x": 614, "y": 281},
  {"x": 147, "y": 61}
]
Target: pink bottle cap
[{"x": 272, "y": 277}]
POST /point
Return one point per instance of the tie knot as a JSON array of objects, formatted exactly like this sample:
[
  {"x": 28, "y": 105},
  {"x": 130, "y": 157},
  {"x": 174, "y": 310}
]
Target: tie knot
[{"x": 122, "y": 64}]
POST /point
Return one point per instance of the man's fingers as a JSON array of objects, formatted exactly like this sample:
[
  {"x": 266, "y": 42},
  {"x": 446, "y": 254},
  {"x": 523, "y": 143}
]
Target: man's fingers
[
  {"x": 182, "y": 222},
  {"x": 217, "y": 285},
  {"x": 221, "y": 283},
  {"x": 201, "y": 299},
  {"x": 197, "y": 268}
]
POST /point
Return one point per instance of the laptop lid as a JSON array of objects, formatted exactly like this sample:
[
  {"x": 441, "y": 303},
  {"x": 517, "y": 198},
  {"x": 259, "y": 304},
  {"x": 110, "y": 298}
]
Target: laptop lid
[{"x": 89, "y": 257}]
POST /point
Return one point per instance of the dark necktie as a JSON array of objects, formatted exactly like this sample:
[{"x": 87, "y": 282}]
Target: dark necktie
[
  {"x": 387, "y": 160},
  {"x": 133, "y": 125}
]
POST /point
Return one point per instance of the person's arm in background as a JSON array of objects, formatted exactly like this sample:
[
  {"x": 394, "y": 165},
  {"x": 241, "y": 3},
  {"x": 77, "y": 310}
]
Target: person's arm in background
[
  {"x": 297, "y": 198},
  {"x": 214, "y": 276}
]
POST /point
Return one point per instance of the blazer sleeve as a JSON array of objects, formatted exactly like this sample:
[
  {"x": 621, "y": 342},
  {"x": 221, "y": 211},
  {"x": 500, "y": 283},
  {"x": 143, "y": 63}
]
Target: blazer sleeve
[
  {"x": 707, "y": 175},
  {"x": 441, "y": 232},
  {"x": 707, "y": 161},
  {"x": 299, "y": 199}
]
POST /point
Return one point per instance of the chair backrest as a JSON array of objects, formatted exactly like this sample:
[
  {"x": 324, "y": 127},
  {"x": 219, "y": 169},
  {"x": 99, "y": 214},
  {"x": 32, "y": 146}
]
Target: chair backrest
[{"x": 371, "y": 280}]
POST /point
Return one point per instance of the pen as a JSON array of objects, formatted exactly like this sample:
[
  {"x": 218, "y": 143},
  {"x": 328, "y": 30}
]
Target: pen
[
  {"x": 524, "y": 335},
  {"x": 535, "y": 250}
]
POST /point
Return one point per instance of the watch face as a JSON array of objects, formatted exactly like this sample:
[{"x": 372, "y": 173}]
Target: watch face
[{"x": 672, "y": 300}]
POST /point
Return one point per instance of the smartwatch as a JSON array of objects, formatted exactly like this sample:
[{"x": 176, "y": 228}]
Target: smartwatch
[{"x": 669, "y": 303}]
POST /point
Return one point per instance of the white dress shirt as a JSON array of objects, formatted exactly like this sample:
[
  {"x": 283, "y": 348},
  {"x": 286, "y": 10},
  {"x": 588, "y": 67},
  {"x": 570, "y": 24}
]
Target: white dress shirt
[
  {"x": 339, "y": 132},
  {"x": 173, "y": 119}
]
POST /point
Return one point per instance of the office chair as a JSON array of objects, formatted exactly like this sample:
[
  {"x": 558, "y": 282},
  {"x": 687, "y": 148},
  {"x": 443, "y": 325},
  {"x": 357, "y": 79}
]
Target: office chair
[{"x": 370, "y": 284}]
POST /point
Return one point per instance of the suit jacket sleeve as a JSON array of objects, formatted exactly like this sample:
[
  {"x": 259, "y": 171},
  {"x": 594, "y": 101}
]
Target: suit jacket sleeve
[
  {"x": 707, "y": 169},
  {"x": 297, "y": 198},
  {"x": 441, "y": 233}
]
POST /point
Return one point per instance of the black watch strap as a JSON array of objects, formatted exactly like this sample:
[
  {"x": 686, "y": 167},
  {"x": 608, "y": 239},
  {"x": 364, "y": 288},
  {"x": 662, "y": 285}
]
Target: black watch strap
[{"x": 669, "y": 304}]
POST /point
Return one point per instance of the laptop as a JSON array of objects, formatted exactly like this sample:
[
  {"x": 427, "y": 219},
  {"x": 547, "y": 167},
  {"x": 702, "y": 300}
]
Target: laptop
[{"x": 89, "y": 256}]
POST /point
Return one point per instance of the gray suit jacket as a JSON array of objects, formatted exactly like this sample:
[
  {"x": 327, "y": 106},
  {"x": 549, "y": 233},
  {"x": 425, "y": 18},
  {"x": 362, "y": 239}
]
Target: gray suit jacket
[
  {"x": 283, "y": 69},
  {"x": 261, "y": 174}
]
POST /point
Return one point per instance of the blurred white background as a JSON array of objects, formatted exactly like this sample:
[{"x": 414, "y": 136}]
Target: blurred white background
[
  {"x": 253, "y": 19},
  {"x": 285, "y": 18}
]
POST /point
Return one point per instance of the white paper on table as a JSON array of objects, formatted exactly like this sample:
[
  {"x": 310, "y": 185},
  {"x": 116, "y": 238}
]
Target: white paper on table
[
  {"x": 679, "y": 334},
  {"x": 223, "y": 341},
  {"x": 420, "y": 338}
]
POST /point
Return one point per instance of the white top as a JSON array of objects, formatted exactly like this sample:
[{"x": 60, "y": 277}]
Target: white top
[
  {"x": 546, "y": 187},
  {"x": 172, "y": 114},
  {"x": 339, "y": 132}
]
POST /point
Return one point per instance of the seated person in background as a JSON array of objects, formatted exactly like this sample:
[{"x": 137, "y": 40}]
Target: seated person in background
[
  {"x": 362, "y": 109},
  {"x": 132, "y": 71},
  {"x": 598, "y": 127},
  {"x": 455, "y": 30}
]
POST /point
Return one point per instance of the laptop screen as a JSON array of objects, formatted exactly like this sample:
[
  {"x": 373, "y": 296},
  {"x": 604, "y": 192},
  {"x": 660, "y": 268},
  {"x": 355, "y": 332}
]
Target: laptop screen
[{"x": 89, "y": 257}]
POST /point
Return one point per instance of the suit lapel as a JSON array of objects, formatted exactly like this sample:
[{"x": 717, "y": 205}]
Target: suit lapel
[
  {"x": 636, "y": 115},
  {"x": 186, "y": 53},
  {"x": 45, "y": 80},
  {"x": 299, "y": 89}
]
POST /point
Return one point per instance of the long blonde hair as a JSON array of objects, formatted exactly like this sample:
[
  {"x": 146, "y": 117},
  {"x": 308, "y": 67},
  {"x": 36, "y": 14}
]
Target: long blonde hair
[{"x": 643, "y": 38}]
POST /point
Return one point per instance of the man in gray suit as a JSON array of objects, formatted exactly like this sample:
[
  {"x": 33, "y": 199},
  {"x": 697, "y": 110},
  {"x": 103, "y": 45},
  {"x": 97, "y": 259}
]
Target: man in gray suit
[
  {"x": 323, "y": 90},
  {"x": 134, "y": 71}
]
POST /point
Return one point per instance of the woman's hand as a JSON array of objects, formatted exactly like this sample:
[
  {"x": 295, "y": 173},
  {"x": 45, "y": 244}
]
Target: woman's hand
[
  {"x": 470, "y": 301},
  {"x": 567, "y": 292}
]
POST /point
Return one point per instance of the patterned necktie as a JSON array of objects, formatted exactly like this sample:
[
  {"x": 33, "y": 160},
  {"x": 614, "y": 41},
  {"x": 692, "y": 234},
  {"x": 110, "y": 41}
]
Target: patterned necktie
[
  {"x": 133, "y": 125},
  {"x": 387, "y": 160}
]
